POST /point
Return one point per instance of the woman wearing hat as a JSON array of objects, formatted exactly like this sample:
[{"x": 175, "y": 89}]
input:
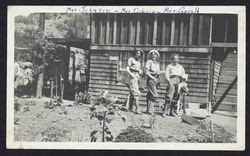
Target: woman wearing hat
[
  {"x": 152, "y": 70},
  {"x": 134, "y": 70},
  {"x": 175, "y": 74}
]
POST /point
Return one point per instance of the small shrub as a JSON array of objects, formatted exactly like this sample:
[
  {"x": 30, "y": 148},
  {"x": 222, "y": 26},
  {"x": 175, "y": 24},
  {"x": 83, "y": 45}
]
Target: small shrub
[
  {"x": 54, "y": 134},
  {"x": 205, "y": 134},
  {"x": 134, "y": 134},
  {"x": 17, "y": 106},
  {"x": 16, "y": 120}
]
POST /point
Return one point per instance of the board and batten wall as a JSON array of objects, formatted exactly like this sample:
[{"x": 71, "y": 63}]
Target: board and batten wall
[
  {"x": 151, "y": 29},
  {"x": 117, "y": 35}
]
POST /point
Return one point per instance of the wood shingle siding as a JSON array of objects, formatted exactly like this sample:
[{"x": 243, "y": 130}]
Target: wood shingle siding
[{"x": 103, "y": 76}]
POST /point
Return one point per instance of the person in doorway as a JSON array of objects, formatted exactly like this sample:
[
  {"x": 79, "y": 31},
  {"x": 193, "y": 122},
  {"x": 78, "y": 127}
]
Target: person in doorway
[
  {"x": 176, "y": 77},
  {"x": 134, "y": 70},
  {"x": 152, "y": 71}
]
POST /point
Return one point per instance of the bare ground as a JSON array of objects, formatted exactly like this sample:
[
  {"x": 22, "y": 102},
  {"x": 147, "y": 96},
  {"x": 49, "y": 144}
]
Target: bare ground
[{"x": 76, "y": 120}]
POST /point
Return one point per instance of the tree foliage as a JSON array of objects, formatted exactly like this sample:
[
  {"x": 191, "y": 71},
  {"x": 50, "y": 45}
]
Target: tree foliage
[
  {"x": 40, "y": 48},
  {"x": 75, "y": 26}
]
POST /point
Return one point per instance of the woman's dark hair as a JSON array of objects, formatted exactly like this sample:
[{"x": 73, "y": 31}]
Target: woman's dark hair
[
  {"x": 174, "y": 55},
  {"x": 141, "y": 52}
]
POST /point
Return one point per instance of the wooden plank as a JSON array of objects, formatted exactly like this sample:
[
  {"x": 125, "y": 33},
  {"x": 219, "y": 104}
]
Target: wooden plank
[
  {"x": 200, "y": 85},
  {"x": 101, "y": 38},
  {"x": 181, "y": 39},
  {"x": 226, "y": 30},
  {"x": 115, "y": 29},
  {"x": 109, "y": 66},
  {"x": 197, "y": 83},
  {"x": 195, "y": 61},
  {"x": 200, "y": 99},
  {"x": 122, "y": 29},
  {"x": 189, "y": 64},
  {"x": 211, "y": 81},
  {"x": 125, "y": 29},
  {"x": 107, "y": 29},
  {"x": 195, "y": 30},
  {"x": 165, "y": 48},
  {"x": 138, "y": 29},
  {"x": 211, "y": 30},
  {"x": 93, "y": 35},
  {"x": 123, "y": 90},
  {"x": 172, "y": 37},
  {"x": 219, "y": 44},
  {"x": 104, "y": 57},
  {"x": 190, "y": 75},
  {"x": 185, "y": 31},
  {"x": 163, "y": 39},
  {"x": 190, "y": 120},
  {"x": 146, "y": 31},
  {"x": 155, "y": 29},
  {"x": 191, "y": 22},
  {"x": 131, "y": 32},
  {"x": 164, "y": 65},
  {"x": 200, "y": 32}
]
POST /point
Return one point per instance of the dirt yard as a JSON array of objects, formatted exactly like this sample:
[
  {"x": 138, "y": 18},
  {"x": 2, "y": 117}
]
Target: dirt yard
[{"x": 73, "y": 123}]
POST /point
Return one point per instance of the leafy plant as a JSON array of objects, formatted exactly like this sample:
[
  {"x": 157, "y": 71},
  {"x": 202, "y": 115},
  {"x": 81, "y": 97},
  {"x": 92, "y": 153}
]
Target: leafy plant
[
  {"x": 17, "y": 105},
  {"x": 205, "y": 134},
  {"x": 104, "y": 110},
  {"x": 54, "y": 101},
  {"x": 54, "y": 134},
  {"x": 83, "y": 98},
  {"x": 134, "y": 134}
]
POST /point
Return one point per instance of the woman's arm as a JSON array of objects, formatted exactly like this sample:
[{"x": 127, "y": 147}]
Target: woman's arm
[
  {"x": 167, "y": 73},
  {"x": 129, "y": 66},
  {"x": 130, "y": 73},
  {"x": 147, "y": 72}
]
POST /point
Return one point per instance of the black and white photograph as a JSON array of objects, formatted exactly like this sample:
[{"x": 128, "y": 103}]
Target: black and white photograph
[{"x": 126, "y": 77}]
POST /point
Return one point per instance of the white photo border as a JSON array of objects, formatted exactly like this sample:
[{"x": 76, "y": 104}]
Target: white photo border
[{"x": 241, "y": 109}]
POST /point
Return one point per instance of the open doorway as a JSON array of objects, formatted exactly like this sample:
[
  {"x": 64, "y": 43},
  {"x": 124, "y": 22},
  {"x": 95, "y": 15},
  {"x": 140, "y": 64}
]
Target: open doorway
[{"x": 68, "y": 71}]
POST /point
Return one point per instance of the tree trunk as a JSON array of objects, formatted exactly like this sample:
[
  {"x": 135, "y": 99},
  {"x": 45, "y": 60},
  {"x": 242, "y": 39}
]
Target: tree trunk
[{"x": 39, "y": 87}]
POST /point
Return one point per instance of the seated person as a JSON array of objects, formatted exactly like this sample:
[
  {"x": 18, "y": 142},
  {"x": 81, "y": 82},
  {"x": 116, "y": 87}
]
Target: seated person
[{"x": 176, "y": 77}]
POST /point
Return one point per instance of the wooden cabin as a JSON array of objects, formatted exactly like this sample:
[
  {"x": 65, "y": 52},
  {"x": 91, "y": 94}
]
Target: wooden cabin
[
  {"x": 202, "y": 41},
  {"x": 207, "y": 44}
]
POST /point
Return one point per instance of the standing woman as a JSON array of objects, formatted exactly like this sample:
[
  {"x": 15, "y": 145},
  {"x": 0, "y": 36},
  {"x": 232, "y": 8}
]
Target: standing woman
[
  {"x": 134, "y": 70},
  {"x": 176, "y": 77},
  {"x": 152, "y": 70}
]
